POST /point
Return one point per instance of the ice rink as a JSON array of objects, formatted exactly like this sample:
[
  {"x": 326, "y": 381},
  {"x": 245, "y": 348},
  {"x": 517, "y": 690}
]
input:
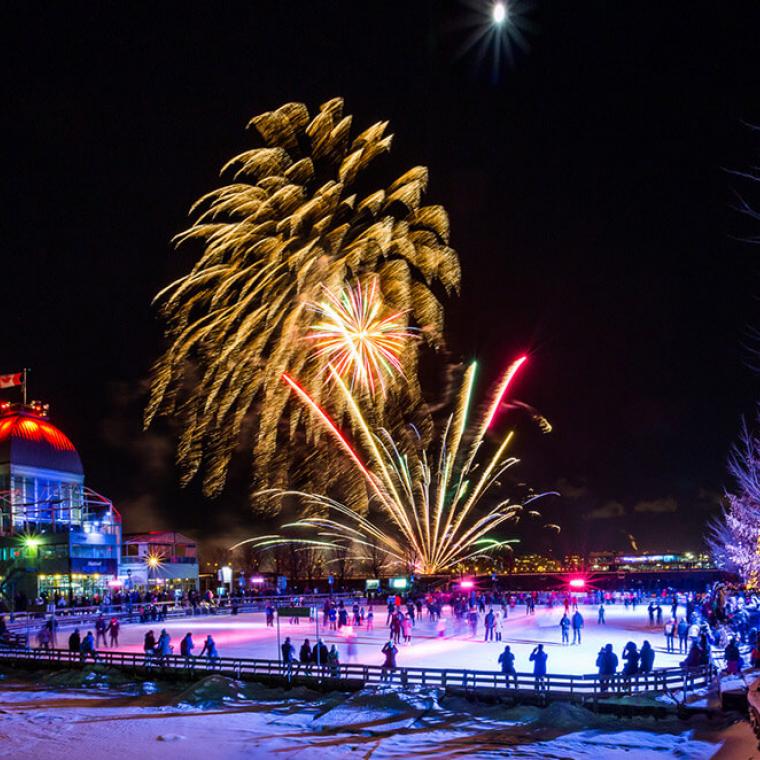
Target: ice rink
[{"x": 246, "y": 635}]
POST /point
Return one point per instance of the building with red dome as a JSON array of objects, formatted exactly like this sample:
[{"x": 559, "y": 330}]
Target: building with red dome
[{"x": 56, "y": 535}]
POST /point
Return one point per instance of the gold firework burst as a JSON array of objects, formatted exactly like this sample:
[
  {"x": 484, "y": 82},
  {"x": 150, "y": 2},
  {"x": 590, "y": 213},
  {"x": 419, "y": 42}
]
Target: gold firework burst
[
  {"x": 429, "y": 517},
  {"x": 290, "y": 222},
  {"x": 358, "y": 339}
]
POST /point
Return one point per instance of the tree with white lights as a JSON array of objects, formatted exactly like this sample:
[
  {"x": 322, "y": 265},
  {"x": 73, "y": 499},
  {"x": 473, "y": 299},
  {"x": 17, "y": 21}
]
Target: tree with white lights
[{"x": 734, "y": 536}]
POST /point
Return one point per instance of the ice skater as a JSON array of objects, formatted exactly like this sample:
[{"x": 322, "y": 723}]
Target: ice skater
[
  {"x": 577, "y": 626},
  {"x": 209, "y": 649},
  {"x": 489, "y": 622},
  {"x": 389, "y": 666},
  {"x": 113, "y": 632}
]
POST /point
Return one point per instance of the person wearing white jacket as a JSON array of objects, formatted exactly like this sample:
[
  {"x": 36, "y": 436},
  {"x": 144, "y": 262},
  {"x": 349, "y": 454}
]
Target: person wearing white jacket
[{"x": 497, "y": 625}]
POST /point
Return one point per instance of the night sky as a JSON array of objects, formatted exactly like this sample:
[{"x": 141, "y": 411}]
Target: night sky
[{"x": 587, "y": 186}]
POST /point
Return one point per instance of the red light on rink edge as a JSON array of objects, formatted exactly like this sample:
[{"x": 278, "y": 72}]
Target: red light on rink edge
[{"x": 577, "y": 583}]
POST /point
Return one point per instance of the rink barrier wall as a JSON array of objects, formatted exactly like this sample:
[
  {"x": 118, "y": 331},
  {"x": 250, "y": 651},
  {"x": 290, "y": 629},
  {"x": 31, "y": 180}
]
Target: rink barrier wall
[
  {"x": 67, "y": 616},
  {"x": 355, "y": 676}
]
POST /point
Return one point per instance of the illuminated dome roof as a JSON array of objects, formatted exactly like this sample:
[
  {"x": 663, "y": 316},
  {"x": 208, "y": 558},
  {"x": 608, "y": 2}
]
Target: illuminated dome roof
[{"x": 28, "y": 439}]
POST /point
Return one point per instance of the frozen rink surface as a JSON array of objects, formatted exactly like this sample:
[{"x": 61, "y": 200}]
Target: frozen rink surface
[{"x": 247, "y": 636}]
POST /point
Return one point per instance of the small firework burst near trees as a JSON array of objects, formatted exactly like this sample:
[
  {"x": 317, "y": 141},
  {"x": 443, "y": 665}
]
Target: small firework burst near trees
[
  {"x": 296, "y": 217},
  {"x": 428, "y": 512}
]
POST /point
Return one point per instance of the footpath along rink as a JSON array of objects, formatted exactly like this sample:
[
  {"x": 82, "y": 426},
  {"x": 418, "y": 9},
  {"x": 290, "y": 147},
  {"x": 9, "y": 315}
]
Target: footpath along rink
[{"x": 247, "y": 636}]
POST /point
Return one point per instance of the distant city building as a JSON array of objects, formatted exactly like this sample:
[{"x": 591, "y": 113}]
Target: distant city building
[
  {"x": 56, "y": 535},
  {"x": 535, "y": 563},
  {"x": 573, "y": 562},
  {"x": 160, "y": 559},
  {"x": 643, "y": 562}
]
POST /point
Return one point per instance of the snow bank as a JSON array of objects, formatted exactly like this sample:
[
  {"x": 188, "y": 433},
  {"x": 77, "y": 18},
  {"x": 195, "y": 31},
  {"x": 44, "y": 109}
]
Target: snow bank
[
  {"x": 96, "y": 676},
  {"x": 44, "y": 723},
  {"x": 380, "y": 709},
  {"x": 217, "y": 691}
]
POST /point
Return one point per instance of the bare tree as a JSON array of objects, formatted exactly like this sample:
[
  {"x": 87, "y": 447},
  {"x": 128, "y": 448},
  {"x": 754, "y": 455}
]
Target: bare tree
[{"x": 734, "y": 538}]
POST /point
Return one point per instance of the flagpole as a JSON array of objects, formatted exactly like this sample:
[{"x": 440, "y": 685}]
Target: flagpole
[{"x": 23, "y": 385}]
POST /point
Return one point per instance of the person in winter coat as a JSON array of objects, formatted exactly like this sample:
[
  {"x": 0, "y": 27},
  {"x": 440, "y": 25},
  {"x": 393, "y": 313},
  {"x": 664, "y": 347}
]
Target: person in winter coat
[
  {"x": 43, "y": 637},
  {"x": 577, "y": 623},
  {"x": 87, "y": 648},
  {"x": 646, "y": 658},
  {"x": 670, "y": 633},
  {"x": 600, "y": 619},
  {"x": 149, "y": 645},
  {"x": 209, "y": 649},
  {"x": 164, "y": 648},
  {"x": 538, "y": 657},
  {"x": 695, "y": 657},
  {"x": 683, "y": 631},
  {"x": 498, "y": 625},
  {"x": 333, "y": 661},
  {"x": 288, "y": 656},
  {"x": 100, "y": 631},
  {"x": 389, "y": 666},
  {"x": 507, "y": 662},
  {"x": 406, "y": 629},
  {"x": 304, "y": 655},
  {"x": 631, "y": 657},
  {"x": 607, "y": 662},
  {"x": 489, "y": 624},
  {"x": 113, "y": 632},
  {"x": 186, "y": 647},
  {"x": 320, "y": 654},
  {"x": 733, "y": 658},
  {"x": 396, "y": 627},
  {"x": 564, "y": 626},
  {"x": 75, "y": 641}
]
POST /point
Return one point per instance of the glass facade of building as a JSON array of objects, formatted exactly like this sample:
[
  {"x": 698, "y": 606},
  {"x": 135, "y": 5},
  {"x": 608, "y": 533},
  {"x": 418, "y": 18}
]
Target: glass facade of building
[{"x": 56, "y": 535}]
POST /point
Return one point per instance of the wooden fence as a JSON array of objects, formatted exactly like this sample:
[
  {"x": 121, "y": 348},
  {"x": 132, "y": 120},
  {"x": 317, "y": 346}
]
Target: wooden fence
[{"x": 353, "y": 676}]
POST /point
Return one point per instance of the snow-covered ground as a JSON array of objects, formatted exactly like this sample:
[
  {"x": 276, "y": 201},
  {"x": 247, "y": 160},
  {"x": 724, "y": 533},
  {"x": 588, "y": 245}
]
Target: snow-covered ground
[
  {"x": 51, "y": 717},
  {"x": 246, "y": 635}
]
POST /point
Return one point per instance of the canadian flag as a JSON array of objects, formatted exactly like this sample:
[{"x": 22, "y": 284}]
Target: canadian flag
[{"x": 9, "y": 381}]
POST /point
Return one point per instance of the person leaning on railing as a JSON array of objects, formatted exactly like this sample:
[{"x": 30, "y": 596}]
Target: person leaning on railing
[
  {"x": 209, "y": 649},
  {"x": 288, "y": 656},
  {"x": 507, "y": 662},
  {"x": 607, "y": 662},
  {"x": 389, "y": 666},
  {"x": 538, "y": 657}
]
